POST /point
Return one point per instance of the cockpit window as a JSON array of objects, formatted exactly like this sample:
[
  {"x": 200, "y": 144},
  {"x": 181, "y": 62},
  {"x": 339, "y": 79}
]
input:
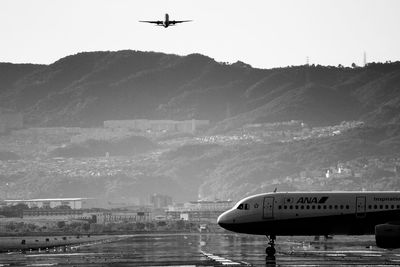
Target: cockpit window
[{"x": 243, "y": 206}]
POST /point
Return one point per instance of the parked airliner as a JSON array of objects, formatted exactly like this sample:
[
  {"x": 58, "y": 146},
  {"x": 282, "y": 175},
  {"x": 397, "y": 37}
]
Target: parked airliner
[
  {"x": 166, "y": 21},
  {"x": 317, "y": 213}
]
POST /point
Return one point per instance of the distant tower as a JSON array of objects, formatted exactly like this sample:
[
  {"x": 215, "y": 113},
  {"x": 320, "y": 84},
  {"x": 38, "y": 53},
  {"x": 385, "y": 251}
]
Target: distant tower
[
  {"x": 365, "y": 58},
  {"x": 307, "y": 71}
]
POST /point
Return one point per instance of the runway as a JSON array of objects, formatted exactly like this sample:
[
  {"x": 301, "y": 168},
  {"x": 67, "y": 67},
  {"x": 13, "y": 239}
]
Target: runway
[{"x": 210, "y": 250}]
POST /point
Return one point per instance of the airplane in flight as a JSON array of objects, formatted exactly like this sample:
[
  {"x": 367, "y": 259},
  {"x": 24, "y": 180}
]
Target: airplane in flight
[
  {"x": 166, "y": 23},
  {"x": 317, "y": 214}
]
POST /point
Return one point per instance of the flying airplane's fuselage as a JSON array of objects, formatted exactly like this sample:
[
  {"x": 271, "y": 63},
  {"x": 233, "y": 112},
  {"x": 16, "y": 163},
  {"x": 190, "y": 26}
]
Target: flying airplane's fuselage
[
  {"x": 312, "y": 213},
  {"x": 166, "y": 22}
]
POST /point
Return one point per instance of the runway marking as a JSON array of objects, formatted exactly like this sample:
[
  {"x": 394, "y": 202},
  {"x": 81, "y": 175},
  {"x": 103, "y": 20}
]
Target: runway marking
[
  {"x": 344, "y": 251},
  {"x": 335, "y": 255},
  {"x": 61, "y": 254},
  {"x": 372, "y": 255},
  {"x": 42, "y": 264},
  {"x": 223, "y": 261}
]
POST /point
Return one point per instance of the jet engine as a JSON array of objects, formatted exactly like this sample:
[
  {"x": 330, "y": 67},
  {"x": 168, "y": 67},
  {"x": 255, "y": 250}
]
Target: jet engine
[{"x": 387, "y": 235}]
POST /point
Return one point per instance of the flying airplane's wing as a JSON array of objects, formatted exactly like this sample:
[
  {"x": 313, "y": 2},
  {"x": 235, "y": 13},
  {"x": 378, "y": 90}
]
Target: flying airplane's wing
[
  {"x": 178, "y": 21},
  {"x": 158, "y": 22}
]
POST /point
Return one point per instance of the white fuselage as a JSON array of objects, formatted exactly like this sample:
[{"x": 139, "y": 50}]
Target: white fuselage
[
  {"x": 312, "y": 213},
  {"x": 166, "y": 21}
]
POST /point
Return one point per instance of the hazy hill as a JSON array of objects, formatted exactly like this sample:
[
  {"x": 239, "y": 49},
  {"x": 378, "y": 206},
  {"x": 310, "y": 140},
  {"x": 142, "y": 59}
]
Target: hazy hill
[
  {"x": 253, "y": 169},
  {"x": 9, "y": 76},
  {"x": 87, "y": 88}
]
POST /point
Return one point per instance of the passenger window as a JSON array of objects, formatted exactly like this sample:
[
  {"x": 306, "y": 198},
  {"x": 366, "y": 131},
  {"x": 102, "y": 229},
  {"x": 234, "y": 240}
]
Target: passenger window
[
  {"x": 296, "y": 207},
  {"x": 375, "y": 206},
  {"x": 279, "y": 207},
  {"x": 336, "y": 207},
  {"x": 341, "y": 207},
  {"x": 392, "y": 207},
  {"x": 386, "y": 206},
  {"x": 246, "y": 206},
  {"x": 308, "y": 207},
  {"x": 302, "y": 207},
  {"x": 240, "y": 207},
  {"x": 285, "y": 207},
  {"x": 369, "y": 207},
  {"x": 313, "y": 207},
  {"x": 324, "y": 207},
  {"x": 330, "y": 207},
  {"x": 347, "y": 207},
  {"x": 381, "y": 206}
]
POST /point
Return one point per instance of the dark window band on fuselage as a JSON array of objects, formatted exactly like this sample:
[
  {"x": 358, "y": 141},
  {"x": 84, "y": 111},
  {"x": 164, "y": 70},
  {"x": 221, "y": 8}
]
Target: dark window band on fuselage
[
  {"x": 246, "y": 206},
  {"x": 319, "y": 207}
]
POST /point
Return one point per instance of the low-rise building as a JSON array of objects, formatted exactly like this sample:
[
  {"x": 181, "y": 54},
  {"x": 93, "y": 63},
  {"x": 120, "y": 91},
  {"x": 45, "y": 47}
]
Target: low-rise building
[
  {"x": 127, "y": 216},
  {"x": 62, "y": 215}
]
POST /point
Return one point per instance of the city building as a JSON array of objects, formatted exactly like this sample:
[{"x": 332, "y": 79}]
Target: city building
[
  {"x": 159, "y": 201},
  {"x": 117, "y": 216},
  {"x": 63, "y": 215},
  {"x": 101, "y": 217}
]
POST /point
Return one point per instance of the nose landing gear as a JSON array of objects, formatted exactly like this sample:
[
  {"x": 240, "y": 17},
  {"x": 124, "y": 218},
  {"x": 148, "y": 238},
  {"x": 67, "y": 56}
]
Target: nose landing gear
[{"x": 270, "y": 251}]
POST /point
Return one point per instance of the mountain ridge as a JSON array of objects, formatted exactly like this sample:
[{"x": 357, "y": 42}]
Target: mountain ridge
[{"x": 90, "y": 87}]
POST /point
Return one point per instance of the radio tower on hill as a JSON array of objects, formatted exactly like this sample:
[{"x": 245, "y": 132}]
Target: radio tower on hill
[{"x": 365, "y": 58}]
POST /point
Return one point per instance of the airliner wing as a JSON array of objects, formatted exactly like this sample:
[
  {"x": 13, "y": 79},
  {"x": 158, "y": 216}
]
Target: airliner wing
[
  {"x": 158, "y": 22},
  {"x": 178, "y": 21}
]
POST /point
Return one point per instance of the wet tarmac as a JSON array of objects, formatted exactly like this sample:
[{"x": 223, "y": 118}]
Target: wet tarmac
[{"x": 210, "y": 250}]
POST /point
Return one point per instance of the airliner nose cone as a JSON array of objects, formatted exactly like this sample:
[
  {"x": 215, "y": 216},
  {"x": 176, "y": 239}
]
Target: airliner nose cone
[{"x": 222, "y": 220}]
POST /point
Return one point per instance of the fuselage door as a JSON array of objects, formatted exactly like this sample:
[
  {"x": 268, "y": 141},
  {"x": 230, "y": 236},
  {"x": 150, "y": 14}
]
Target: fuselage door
[
  {"x": 268, "y": 212},
  {"x": 360, "y": 207}
]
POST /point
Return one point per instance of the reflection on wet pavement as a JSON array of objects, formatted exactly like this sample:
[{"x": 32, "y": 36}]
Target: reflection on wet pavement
[{"x": 211, "y": 250}]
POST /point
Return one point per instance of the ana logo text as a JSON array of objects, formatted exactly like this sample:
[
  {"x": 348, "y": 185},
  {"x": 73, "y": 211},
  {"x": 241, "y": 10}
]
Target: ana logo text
[{"x": 311, "y": 200}]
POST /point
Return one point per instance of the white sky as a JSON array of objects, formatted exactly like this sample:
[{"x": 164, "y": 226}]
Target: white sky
[{"x": 263, "y": 33}]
